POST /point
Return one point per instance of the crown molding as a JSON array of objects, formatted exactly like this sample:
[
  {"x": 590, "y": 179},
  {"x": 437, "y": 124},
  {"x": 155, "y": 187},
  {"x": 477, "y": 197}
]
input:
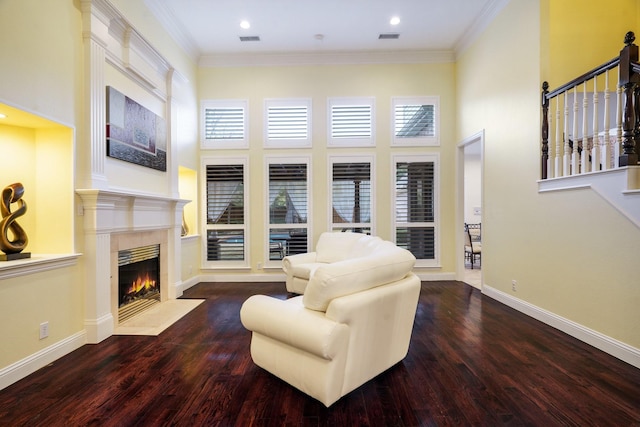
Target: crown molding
[
  {"x": 488, "y": 14},
  {"x": 326, "y": 58},
  {"x": 177, "y": 32}
]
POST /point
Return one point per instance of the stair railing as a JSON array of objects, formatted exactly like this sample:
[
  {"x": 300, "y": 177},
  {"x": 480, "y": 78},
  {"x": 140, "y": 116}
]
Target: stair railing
[{"x": 590, "y": 139}]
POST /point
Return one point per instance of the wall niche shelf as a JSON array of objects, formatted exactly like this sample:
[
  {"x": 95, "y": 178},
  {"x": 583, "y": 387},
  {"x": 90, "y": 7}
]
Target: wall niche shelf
[
  {"x": 41, "y": 159},
  {"x": 36, "y": 264}
]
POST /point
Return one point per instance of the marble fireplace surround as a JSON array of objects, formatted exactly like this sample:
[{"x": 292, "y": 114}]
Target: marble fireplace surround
[{"x": 114, "y": 221}]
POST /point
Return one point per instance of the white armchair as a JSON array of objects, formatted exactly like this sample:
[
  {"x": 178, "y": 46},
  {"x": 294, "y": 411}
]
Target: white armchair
[{"x": 353, "y": 322}]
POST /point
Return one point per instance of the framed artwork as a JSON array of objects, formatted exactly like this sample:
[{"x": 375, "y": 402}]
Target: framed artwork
[{"x": 134, "y": 133}]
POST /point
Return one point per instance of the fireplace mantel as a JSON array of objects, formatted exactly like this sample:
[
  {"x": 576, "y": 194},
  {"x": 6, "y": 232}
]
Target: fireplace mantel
[
  {"x": 108, "y": 217},
  {"x": 120, "y": 211}
]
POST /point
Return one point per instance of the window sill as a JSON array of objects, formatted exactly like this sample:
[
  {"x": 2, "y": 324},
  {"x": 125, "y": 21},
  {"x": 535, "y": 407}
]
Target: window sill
[{"x": 36, "y": 264}]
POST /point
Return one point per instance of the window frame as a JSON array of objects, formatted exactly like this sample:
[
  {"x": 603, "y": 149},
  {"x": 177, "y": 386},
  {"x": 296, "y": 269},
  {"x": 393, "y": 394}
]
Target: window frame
[
  {"x": 340, "y": 159},
  {"x": 419, "y": 158},
  {"x": 221, "y": 161},
  {"x": 280, "y": 159},
  {"x": 224, "y": 143},
  {"x": 294, "y": 142},
  {"x": 421, "y": 141},
  {"x": 369, "y": 101}
]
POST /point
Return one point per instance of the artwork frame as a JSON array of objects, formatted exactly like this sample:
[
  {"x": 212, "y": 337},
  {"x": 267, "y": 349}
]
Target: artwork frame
[{"x": 134, "y": 134}]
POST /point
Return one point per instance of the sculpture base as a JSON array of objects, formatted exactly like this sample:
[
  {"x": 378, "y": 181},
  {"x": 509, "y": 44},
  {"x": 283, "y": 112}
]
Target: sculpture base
[{"x": 11, "y": 257}]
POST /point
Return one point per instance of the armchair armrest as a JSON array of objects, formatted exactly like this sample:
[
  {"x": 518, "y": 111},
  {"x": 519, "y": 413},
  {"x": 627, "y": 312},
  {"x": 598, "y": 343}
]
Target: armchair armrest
[
  {"x": 292, "y": 324},
  {"x": 290, "y": 260}
]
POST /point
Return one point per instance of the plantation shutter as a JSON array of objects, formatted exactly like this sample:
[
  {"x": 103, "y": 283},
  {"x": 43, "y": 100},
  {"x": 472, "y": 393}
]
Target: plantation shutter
[
  {"x": 224, "y": 123},
  {"x": 287, "y": 122},
  {"x": 415, "y": 208},
  {"x": 225, "y": 196},
  {"x": 351, "y": 193},
  {"x": 413, "y": 121},
  {"x": 288, "y": 209},
  {"x": 225, "y": 213},
  {"x": 351, "y": 121}
]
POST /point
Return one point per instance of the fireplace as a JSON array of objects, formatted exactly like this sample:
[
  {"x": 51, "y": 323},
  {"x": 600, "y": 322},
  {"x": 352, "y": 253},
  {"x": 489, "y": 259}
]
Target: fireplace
[
  {"x": 138, "y": 272},
  {"x": 138, "y": 280}
]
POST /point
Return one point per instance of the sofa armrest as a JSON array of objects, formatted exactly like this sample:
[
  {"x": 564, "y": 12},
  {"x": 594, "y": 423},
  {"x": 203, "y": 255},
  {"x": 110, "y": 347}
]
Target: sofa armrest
[
  {"x": 292, "y": 324},
  {"x": 290, "y": 260}
]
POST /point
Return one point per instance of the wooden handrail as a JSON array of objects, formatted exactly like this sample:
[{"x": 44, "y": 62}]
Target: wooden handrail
[{"x": 609, "y": 65}]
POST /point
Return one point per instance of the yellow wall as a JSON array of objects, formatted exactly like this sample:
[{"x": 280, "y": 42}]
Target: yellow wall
[
  {"x": 585, "y": 34},
  {"x": 564, "y": 249},
  {"x": 41, "y": 74},
  {"x": 318, "y": 83}
]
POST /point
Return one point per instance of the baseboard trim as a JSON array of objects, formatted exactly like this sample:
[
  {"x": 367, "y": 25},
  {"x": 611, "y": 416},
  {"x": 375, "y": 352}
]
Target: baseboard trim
[
  {"x": 433, "y": 277},
  {"x": 280, "y": 277},
  {"x": 25, "y": 367},
  {"x": 615, "y": 348}
]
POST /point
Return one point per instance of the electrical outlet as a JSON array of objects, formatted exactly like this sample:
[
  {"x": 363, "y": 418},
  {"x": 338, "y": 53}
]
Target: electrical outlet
[
  {"x": 514, "y": 285},
  {"x": 44, "y": 330},
  {"x": 259, "y": 266}
]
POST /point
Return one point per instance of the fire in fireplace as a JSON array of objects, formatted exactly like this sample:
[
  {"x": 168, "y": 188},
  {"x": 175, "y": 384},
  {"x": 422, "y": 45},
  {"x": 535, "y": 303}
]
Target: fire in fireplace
[{"x": 138, "y": 280}]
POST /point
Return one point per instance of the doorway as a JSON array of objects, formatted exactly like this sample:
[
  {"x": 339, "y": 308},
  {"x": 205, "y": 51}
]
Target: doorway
[{"x": 470, "y": 205}]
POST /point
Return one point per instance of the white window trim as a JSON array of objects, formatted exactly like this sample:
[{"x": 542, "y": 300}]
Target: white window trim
[
  {"x": 222, "y": 264},
  {"x": 288, "y": 143},
  {"x": 411, "y": 158},
  {"x": 430, "y": 141},
  {"x": 280, "y": 159},
  {"x": 351, "y": 142},
  {"x": 214, "y": 144},
  {"x": 352, "y": 159}
]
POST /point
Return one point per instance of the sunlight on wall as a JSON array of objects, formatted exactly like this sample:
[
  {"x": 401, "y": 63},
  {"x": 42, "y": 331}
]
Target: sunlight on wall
[{"x": 41, "y": 159}]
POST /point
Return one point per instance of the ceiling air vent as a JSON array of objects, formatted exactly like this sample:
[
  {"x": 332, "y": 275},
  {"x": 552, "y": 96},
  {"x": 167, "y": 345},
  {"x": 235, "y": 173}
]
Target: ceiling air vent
[
  {"x": 249, "y": 38},
  {"x": 389, "y": 36}
]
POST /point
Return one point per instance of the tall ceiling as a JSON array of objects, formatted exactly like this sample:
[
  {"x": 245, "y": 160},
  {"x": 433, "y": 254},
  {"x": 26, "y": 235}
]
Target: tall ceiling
[{"x": 208, "y": 28}]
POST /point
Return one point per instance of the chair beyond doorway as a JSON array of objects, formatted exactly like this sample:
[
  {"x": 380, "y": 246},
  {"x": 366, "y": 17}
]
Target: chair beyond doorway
[{"x": 473, "y": 243}]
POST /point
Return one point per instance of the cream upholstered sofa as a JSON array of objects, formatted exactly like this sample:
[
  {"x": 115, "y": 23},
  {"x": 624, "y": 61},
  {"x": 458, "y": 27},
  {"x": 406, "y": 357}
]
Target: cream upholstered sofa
[
  {"x": 331, "y": 247},
  {"x": 353, "y": 322}
]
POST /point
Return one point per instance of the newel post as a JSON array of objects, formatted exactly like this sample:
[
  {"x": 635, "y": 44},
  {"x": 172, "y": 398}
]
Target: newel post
[
  {"x": 628, "y": 83},
  {"x": 545, "y": 131}
]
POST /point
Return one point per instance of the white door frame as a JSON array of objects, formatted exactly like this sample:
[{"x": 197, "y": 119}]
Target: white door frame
[{"x": 475, "y": 138}]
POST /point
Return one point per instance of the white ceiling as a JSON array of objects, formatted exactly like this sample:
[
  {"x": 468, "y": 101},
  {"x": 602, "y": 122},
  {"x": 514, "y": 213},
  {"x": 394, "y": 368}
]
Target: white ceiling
[{"x": 208, "y": 28}]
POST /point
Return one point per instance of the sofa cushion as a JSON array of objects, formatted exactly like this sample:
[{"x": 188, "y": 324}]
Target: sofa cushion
[
  {"x": 386, "y": 264},
  {"x": 333, "y": 247}
]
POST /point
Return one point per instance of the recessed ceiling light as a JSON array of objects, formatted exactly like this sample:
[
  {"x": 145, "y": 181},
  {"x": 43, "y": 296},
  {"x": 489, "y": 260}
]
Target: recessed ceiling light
[
  {"x": 394, "y": 20},
  {"x": 3, "y": 116},
  {"x": 245, "y": 24}
]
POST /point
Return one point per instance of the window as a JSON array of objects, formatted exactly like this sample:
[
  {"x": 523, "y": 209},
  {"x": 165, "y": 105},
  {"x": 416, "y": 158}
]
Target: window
[
  {"x": 416, "y": 207},
  {"x": 288, "y": 190},
  {"x": 226, "y": 211},
  {"x": 224, "y": 124},
  {"x": 351, "y": 198},
  {"x": 351, "y": 122},
  {"x": 416, "y": 121},
  {"x": 287, "y": 123}
]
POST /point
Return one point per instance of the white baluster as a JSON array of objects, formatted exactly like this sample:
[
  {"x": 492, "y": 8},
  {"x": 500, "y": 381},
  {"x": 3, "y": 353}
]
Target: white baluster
[
  {"x": 566, "y": 169},
  {"x": 595, "y": 144},
  {"x": 584, "y": 159},
  {"x": 557, "y": 157},
  {"x": 618, "y": 143},
  {"x": 574, "y": 154},
  {"x": 605, "y": 152}
]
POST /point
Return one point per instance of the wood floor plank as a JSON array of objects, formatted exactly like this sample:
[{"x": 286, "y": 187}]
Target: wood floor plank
[{"x": 472, "y": 362}]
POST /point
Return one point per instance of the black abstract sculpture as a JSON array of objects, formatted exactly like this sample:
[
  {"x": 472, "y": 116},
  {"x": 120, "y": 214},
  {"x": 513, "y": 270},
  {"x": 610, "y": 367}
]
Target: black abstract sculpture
[{"x": 12, "y": 247}]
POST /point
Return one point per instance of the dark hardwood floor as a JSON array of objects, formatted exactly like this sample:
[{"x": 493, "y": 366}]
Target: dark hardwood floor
[{"x": 472, "y": 362}]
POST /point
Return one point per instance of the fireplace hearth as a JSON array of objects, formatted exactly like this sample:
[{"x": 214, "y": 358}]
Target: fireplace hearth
[{"x": 138, "y": 280}]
